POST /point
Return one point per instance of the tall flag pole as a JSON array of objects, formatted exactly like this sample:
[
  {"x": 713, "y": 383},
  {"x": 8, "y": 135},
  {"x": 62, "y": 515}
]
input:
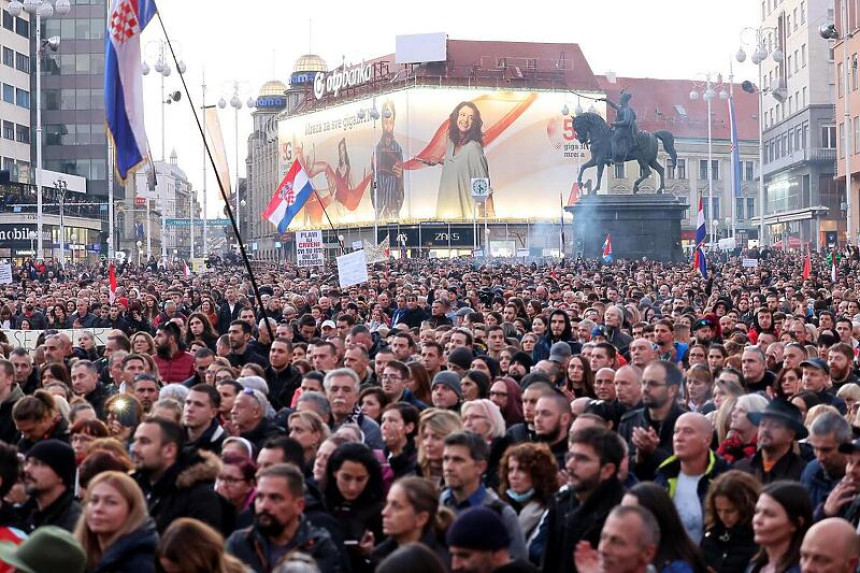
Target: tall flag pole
[
  {"x": 561, "y": 226},
  {"x": 735, "y": 160}
]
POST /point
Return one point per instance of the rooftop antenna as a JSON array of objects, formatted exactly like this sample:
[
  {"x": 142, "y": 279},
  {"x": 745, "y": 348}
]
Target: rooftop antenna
[{"x": 310, "y": 35}]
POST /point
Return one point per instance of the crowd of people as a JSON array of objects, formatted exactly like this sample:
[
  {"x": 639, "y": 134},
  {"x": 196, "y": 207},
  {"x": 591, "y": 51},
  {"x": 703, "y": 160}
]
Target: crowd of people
[{"x": 447, "y": 415}]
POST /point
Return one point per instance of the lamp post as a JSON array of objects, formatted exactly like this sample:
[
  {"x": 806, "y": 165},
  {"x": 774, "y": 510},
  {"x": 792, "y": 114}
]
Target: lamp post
[
  {"x": 759, "y": 55},
  {"x": 41, "y": 9},
  {"x": 236, "y": 104},
  {"x": 828, "y": 32},
  {"x": 139, "y": 249},
  {"x": 707, "y": 91},
  {"x": 62, "y": 186}
]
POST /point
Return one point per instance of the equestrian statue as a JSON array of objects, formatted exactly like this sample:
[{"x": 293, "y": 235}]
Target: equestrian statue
[{"x": 621, "y": 142}]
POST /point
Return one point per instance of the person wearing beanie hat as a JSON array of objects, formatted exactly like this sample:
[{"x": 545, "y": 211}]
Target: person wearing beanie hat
[
  {"x": 479, "y": 541},
  {"x": 49, "y": 478},
  {"x": 446, "y": 392},
  {"x": 47, "y": 550},
  {"x": 460, "y": 360},
  {"x": 520, "y": 365}
]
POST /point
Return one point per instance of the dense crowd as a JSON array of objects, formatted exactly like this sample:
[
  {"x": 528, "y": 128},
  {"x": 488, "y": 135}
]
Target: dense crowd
[{"x": 447, "y": 415}]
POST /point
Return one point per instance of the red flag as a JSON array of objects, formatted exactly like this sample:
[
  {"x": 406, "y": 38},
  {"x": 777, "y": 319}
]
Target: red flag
[
  {"x": 112, "y": 276},
  {"x": 807, "y": 268}
]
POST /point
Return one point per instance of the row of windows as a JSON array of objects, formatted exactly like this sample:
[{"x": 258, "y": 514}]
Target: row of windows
[
  {"x": 89, "y": 168},
  {"x": 744, "y": 208},
  {"x": 72, "y": 99},
  {"x": 70, "y": 134},
  {"x": 58, "y": 64},
  {"x": 16, "y": 132},
  {"x": 16, "y": 24},
  {"x": 19, "y": 170},
  {"x": 76, "y": 28},
  {"x": 794, "y": 104},
  {"x": 16, "y": 60},
  {"x": 679, "y": 171},
  {"x": 855, "y": 137},
  {"x": 792, "y": 21},
  {"x": 16, "y": 96}
]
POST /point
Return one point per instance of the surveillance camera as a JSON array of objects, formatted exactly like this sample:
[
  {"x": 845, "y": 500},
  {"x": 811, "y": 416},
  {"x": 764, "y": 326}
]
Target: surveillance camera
[{"x": 748, "y": 87}]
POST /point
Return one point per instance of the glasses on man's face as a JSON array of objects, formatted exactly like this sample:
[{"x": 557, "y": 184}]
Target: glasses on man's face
[
  {"x": 653, "y": 384},
  {"x": 391, "y": 377}
]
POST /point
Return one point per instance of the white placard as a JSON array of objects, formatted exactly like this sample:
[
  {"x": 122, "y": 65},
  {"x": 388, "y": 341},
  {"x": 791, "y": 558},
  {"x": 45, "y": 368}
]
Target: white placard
[
  {"x": 27, "y": 338},
  {"x": 352, "y": 269},
  {"x": 357, "y": 245},
  {"x": 750, "y": 263},
  {"x": 5, "y": 274},
  {"x": 310, "y": 251}
]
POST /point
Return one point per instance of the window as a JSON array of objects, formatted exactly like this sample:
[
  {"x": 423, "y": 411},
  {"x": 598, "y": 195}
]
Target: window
[
  {"x": 22, "y": 63},
  {"x": 739, "y": 208},
  {"x": 22, "y": 134},
  {"x": 839, "y": 74},
  {"x": 531, "y": 63},
  {"x": 804, "y": 96},
  {"x": 803, "y": 135},
  {"x": 790, "y": 104},
  {"x": 803, "y": 56},
  {"x": 8, "y": 20},
  {"x": 750, "y": 208},
  {"x": 716, "y": 201},
  {"x": 8, "y": 93},
  {"x": 8, "y": 130},
  {"x": 679, "y": 171},
  {"x": 22, "y": 27},
  {"x": 795, "y": 18},
  {"x": 788, "y": 25},
  {"x": 828, "y": 136},
  {"x": 8, "y": 57},
  {"x": 619, "y": 171},
  {"x": 856, "y": 136},
  {"x": 501, "y": 63},
  {"x": 749, "y": 171},
  {"x": 22, "y": 98},
  {"x": 853, "y": 72},
  {"x": 803, "y": 12},
  {"x": 788, "y": 68}
]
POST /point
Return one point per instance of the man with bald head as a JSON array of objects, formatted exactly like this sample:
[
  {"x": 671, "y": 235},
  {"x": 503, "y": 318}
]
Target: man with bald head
[
  {"x": 688, "y": 473},
  {"x": 830, "y": 546}
]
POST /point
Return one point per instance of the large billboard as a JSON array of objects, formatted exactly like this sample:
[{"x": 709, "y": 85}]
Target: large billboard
[{"x": 425, "y": 147}]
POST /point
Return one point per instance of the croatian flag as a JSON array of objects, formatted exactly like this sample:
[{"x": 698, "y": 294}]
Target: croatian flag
[
  {"x": 607, "y": 249},
  {"x": 186, "y": 272},
  {"x": 112, "y": 279},
  {"x": 699, "y": 261},
  {"x": 124, "y": 82},
  {"x": 289, "y": 198},
  {"x": 700, "y": 224},
  {"x": 736, "y": 155}
]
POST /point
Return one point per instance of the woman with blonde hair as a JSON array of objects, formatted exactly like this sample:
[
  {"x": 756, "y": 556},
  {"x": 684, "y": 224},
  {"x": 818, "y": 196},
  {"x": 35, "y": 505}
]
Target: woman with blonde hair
[
  {"x": 485, "y": 419},
  {"x": 434, "y": 426},
  {"x": 115, "y": 529},
  {"x": 309, "y": 430},
  {"x": 143, "y": 343},
  {"x": 190, "y": 546}
]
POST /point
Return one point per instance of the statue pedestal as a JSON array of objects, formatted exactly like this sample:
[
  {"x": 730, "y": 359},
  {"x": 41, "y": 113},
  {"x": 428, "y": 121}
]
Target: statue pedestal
[{"x": 640, "y": 225}]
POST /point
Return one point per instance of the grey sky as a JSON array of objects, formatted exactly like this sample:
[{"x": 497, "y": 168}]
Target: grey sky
[{"x": 258, "y": 41}]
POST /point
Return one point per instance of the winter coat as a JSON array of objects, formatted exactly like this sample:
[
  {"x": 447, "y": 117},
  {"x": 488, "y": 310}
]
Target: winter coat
[
  {"x": 131, "y": 553},
  {"x": 728, "y": 550},
  {"x": 668, "y": 472},
  {"x": 265, "y": 430},
  {"x": 641, "y": 418},
  {"x": 571, "y": 521},
  {"x": 282, "y": 385},
  {"x": 8, "y": 432},
  {"x": 252, "y": 548},
  {"x": 177, "y": 369},
  {"x": 98, "y": 397},
  {"x": 187, "y": 489},
  {"x": 59, "y": 431},
  {"x": 788, "y": 467},
  {"x": 63, "y": 513}
]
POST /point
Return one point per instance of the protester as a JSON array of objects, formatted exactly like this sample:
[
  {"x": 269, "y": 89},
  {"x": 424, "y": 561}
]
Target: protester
[
  {"x": 727, "y": 544},
  {"x": 783, "y": 514}
]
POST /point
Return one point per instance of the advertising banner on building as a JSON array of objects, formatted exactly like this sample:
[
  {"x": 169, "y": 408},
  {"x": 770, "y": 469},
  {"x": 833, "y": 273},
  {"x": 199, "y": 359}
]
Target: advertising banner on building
[
  {"x": 310, "y": 251},
  {"x": 424, "y": 147}
]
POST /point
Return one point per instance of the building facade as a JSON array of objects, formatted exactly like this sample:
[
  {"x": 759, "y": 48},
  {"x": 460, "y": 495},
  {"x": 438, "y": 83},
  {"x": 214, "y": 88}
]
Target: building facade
[
  {"x": 840, "y": 50},
  {"x": 802, "y": 200},
  {"x": 15, "y": 104}
]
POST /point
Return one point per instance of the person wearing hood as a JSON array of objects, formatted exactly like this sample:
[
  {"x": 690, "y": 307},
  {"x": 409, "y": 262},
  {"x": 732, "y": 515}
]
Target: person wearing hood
[
  {"x": 176, "y": 483},
  {"x": 116, "y": 532},
  {"x": 10, "y": 393},
  {"x": 560, "y": 330}
]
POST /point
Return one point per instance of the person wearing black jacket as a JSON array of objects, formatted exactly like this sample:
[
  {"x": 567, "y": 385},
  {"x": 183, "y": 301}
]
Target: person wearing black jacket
[
  {"x": 780, "y": 426},
  {"x": 580, "y": 509},
  {"x": 49, "y": 476},
  {"x": 10, "y": 393},
  {"x": 228, "y": 311},
  {"x": 85, "y": 382},
  {"x": 728, "y": 543},
  {"x": 176, "y": 483},
  {"x": 281, "y": 376},
  {"x": 249, "y": 417}
]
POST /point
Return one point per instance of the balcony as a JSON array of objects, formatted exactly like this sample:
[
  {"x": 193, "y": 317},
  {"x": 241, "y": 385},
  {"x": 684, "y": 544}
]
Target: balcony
[{"x": 819, "y": 155}]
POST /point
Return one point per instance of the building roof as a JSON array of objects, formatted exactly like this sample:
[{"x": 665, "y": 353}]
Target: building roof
[
  {"x": 310, "y": 63},
  {"x": 666, "y": 104},
  {"x": 273, "y": 88}
]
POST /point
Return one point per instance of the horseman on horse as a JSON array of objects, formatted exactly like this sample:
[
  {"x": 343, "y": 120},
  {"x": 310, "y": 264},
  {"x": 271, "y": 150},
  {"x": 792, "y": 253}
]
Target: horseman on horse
[{"x": 624, "y": 130}]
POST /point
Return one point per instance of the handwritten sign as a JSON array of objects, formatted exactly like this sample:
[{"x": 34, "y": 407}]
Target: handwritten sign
[
  {"x": 352, "y": 269},
  {"x": 27, "y": 338},
  {"x": 749, "y": 263},
  {"x": 309, "y": 248},
  {"x": 5, "y": 274}
]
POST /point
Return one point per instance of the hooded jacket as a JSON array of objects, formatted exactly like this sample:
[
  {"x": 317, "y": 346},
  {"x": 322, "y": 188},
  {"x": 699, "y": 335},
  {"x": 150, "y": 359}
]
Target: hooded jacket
[
  {"x": 134, "y": 551},
  {"x": 253, "y": 549},
  {"x": 668, "y": 472},
  {"x": 185, "y": 490}
]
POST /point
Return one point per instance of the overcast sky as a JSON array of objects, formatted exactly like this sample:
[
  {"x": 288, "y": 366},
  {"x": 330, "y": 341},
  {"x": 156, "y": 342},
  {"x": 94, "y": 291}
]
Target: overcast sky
[{"x": 257, "y": 41}]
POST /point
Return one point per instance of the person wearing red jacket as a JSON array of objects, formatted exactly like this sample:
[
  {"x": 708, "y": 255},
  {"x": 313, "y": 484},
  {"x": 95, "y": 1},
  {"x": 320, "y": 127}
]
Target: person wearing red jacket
[{"x": 174, "y": 363}]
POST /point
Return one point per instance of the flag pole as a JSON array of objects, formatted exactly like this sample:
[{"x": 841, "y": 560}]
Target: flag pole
[
  {"x": 230, "y": 213},
  {"x": 111, "y": 248}
]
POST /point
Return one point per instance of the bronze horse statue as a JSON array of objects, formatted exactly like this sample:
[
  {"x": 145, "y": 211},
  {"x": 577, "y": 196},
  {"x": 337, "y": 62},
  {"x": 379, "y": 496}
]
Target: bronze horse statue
[{"x": 593, "y": 131}]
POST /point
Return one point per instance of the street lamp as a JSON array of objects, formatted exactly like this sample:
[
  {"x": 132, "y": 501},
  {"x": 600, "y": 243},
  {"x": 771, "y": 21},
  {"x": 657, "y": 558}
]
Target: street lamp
[
  {"x": 236, "y": 104},
  {"x": 162, "y": 68},
  {"x": 41, "y": 9},
  {"x": 139, "y": 249},
  {"x": 708, "y": 91},
  {"x": 759, "y": 55},
  {"x": 828, "y": 32}
]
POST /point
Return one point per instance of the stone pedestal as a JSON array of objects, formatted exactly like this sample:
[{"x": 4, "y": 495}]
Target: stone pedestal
[{"x": 640, "y": 225}]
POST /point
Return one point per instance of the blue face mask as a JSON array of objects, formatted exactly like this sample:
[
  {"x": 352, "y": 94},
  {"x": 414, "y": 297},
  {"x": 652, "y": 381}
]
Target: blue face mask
[{"x": 520, "y": 497}]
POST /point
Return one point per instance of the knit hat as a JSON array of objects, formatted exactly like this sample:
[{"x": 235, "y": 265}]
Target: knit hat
[
  {"x": 524, "y": 359},
  {"x": 57, "y": 455},
  {"x": 449, "y": 379},
  {"x": 479, "y": 529},
  {"x": 48, "y": 549},
  {"x": 462, "y": 357}
]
